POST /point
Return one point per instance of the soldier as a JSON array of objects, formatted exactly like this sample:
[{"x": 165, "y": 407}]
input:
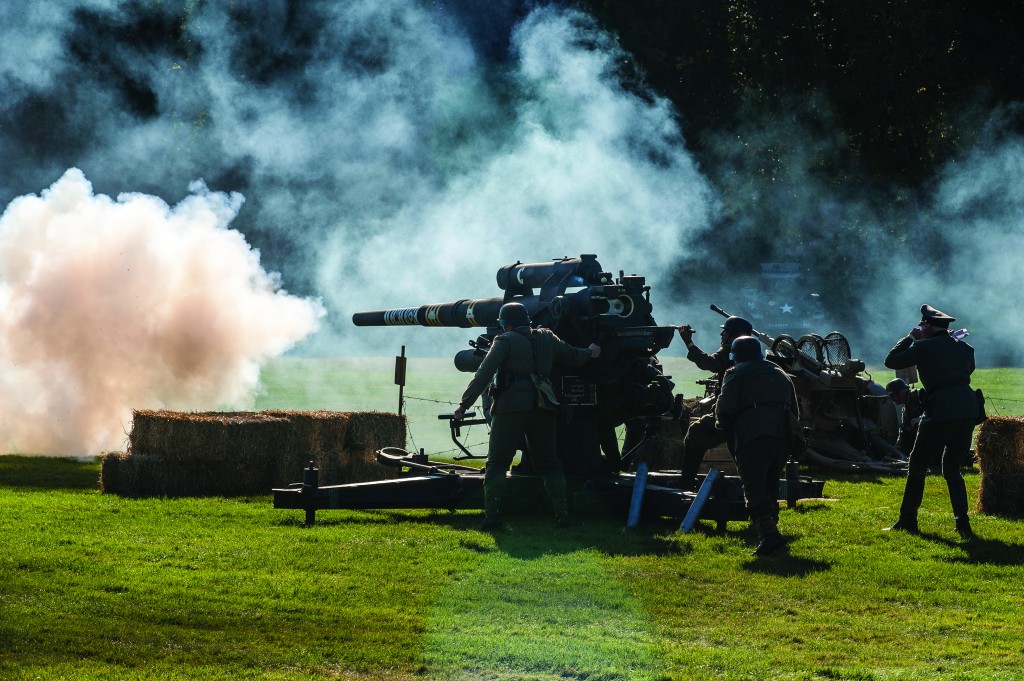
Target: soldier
[
  {"x": 912, "y": 402},
  {"x": 754, "y": 409},
  {"x": 702, "y": 434},
  {"x": 519, "y": 410},
  {"x": 945, "y": 366}
]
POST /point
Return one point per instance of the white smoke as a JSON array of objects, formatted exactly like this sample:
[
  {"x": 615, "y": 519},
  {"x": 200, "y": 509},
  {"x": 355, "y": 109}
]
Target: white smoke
[
  {"x": 586, "y": 167},
  {"x": 112, "y": 305}
]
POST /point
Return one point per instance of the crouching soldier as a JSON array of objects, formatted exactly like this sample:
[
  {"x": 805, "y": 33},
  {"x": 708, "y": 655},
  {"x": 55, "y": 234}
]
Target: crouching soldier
[
  {"x": 754, "y": 408},
  {"x": 912, "y": 402}
]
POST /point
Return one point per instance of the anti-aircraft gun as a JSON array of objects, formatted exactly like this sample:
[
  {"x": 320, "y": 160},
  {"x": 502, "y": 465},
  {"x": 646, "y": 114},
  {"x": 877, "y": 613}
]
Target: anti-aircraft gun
[
  {"x": 850, "y": 421},
  {"x": 582, "y": 304}
]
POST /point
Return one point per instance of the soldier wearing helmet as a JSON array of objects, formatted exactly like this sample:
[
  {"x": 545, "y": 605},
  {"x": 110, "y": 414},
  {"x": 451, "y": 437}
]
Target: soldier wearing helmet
[
  {"x": 754, "y": 409},
  {"x": 702, "y": 434},
  {"x": 912, "y": 403},
  {"x": 951, "y": 411},
  {"x": 524, "y": 406}
]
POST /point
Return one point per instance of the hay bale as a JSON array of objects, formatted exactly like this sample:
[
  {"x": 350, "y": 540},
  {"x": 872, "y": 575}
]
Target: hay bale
[
  {"x": 375, "y": 429},
  {"x": 317, "y": 436},
  {"x": 116, "y": 474},
  {"x": 237, "y": 453},
  {"x": 663, "y": 449},
  {"x": 1000, "y": 448},
  {"x": 208, "y": 436}
]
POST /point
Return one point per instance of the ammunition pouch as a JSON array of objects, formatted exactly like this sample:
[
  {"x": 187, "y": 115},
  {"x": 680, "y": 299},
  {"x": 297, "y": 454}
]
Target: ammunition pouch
[
  {"x": 504, "y": 378},
  {"x": 982, "y": 416},
  {"x": 546, "y": 398}
]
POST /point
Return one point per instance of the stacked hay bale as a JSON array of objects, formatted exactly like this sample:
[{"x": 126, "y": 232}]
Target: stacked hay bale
[
  {"x": 233, "y": 453},
  {"x": 1000, "y": 448},
  {"x": 663, "y": 447}
]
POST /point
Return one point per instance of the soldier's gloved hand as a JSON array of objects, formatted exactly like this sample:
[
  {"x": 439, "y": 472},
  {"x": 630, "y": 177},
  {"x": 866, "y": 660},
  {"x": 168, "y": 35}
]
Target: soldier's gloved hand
[
  {"x": 595, "y": 350},
  {"x": 459, "y": 413},
  {"x": 686, "y": 333}
]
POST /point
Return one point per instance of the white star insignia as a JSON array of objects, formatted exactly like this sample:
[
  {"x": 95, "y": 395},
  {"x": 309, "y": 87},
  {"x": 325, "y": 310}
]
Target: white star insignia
[{"x": 786, "y": 309}]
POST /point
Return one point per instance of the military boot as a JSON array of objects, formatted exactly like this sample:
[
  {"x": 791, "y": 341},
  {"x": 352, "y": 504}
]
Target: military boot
[
  {"x": 913, "y": 493},
  {"x": 769, "y": 538},
  {"x": 963, "y": 528},
  {"x": 492, "y": 515},
  {"x": 904, "y": 525},
  {"x": 555, "y": 486},
  {"x": 958, "y": 499}
]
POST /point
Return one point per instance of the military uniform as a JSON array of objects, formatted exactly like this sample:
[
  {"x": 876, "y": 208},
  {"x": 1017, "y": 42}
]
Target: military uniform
[
  {"x": 703, "y": 434},
  {"x": 944, "y": 366},
  {"x": 913, "y": 409},
  {"x": 754, "y": 408},
  {"x": 516, "y": 412}
]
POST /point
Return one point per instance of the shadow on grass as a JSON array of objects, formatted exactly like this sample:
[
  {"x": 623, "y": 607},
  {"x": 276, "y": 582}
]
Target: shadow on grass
[
  {"x": 528, "y": 535},
  {"x": 49, "y": 473},
  {"x": 984, "y": 551},
  {"x": 783, "y": 564}
]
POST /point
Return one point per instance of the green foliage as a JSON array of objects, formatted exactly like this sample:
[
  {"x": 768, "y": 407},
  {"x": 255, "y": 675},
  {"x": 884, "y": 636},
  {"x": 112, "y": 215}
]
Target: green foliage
[{"x": 902, "y": 76}]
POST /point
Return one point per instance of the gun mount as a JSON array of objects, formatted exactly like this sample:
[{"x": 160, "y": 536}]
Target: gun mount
[
  {"x": 582, "y": 304},
  {"x": 851, "y": 421}
]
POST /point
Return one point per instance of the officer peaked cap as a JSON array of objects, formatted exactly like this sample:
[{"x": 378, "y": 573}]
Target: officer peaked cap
[{"x": 935, "y": 317}]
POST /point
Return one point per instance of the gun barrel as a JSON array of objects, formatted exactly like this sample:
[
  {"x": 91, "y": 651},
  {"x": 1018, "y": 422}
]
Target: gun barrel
[
  {"x": 761, "y": 336},
  {"x": 460, "y": 313}
]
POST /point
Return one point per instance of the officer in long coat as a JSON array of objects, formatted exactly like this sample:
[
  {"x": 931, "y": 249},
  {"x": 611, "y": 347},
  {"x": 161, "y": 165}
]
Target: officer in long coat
[
  {"x": 944, "y": 365},
  {"x": 702, "y": 434},
  {"x": 518, "y": 409},
  {"x": 754, "y": 410}
]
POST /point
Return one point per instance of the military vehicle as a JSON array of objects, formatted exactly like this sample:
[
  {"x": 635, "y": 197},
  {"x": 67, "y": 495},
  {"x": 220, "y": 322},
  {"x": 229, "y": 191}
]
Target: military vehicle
[
  {"x": 782, "y": 299},
  {"x": 849, "y": 420}
]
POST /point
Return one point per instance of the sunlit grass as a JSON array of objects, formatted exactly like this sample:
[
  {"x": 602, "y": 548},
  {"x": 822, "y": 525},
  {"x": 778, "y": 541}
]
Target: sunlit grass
[{"x": 94, "y": 586}]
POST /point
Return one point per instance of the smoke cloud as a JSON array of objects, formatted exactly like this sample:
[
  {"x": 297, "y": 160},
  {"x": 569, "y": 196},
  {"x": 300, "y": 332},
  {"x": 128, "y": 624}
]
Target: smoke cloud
[
  {"x": 874, "y": 255},
  {"x": 393, "y": 153},
  {"x": 107, "y": 305}
]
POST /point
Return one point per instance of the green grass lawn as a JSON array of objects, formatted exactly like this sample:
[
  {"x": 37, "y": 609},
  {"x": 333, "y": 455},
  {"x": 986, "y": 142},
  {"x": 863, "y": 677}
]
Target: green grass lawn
[{"x": 94, "y": 586}]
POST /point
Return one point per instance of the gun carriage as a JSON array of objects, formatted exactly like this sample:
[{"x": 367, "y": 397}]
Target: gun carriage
[{"x": 850, "y": 422}]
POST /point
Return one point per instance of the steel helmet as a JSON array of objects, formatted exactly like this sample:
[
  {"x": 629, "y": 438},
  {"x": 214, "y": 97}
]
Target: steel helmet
[
  {"x": 738, "y": 326},
  {"x": 514, "y": 315},
  {"x": 745, "y": 348},
  {"x": 896, "y": 385}
]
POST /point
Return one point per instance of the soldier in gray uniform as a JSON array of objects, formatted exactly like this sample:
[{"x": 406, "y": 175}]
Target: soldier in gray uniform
[
  {"x": 912, "y": 402},
  {"x": 754, "y": 409},
  {"x": 702, "y": 434},
  {"x": 951, "y": 407},
  {"x": 519, "y": 410}
]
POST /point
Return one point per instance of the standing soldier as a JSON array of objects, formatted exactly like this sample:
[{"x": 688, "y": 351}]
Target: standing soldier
[
  {"x": 515, "y": 359},
  {"x": 754, "y": 410},
  {"x": 702, "y": 434},
  {"x": 945, "y": 366}
]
